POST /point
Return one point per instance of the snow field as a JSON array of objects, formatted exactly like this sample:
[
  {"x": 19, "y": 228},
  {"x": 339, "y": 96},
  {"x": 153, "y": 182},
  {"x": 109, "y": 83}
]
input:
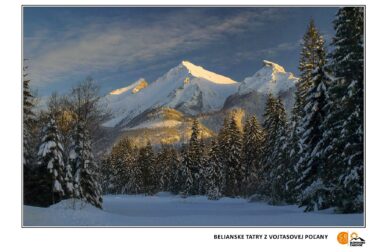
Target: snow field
[{"x": 165, "y": 209}]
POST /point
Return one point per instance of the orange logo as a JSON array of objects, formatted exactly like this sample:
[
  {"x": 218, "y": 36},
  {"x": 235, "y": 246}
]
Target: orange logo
[{"x": 342, "y": 238}]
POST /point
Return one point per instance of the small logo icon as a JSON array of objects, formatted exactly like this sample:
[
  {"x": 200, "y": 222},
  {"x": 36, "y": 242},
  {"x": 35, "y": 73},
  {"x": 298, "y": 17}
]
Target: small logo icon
[
  {"x": 342, "y": 238},
  {"x": 355, "y": 240}
]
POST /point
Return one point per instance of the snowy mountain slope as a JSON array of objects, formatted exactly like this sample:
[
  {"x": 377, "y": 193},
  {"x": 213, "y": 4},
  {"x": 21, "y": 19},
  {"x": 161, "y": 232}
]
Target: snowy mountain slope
[
  {"x": 133, "y": 88},
  {"x": 186, "y": 87},
  {"x": 162, "y": 125},
  {"x": 272, "y": 78},
  {"x": 163, "y": 110},
  {"x": 198, "y": 71},
  {"x": 253, "y": 91}
]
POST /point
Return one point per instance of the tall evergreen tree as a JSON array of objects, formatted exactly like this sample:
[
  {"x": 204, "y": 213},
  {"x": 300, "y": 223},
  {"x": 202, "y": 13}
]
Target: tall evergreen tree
[
  {"x": 279, "y": 171},
  {"x": 234, "y": 170},
  {"x": 173, "y": 164},
  {"x": 146, "y": 164},
  {"x": 30, "y": 142},
  {"x": 223, "y": 139},
  {"x": 310, "y": 184},
  {"x": 270, "y": 128},
  {"x": 82, "y": 161},
  {"x": 28, "y": 121},
  {"x": 166, "y": 166},
  {"x": 214, "y": 172},
  {"x": 51, "y": 166},
  {"x": 176, "y": 177},
  {"x": 186, "y": 177},
  {"x": 194, "y": 159},
  {"x": 312, "y": 55},
  {"x": 88, "y": 113},
  {"x": 122, "y": 159},
  {"x": 275, "y": 163},
  {"x": 253, "y": 140},
  {"x": 343, "y": 127}
]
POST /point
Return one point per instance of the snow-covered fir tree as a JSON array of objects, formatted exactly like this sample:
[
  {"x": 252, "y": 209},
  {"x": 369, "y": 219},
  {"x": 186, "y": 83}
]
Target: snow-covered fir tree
[
  {"x": 223, "y": 139},
  {"x": 233, "y": 163},
  {"x": 146, "y": 164},
  {"x": 186, "y": 178},
  {"x": 51, "y": 166},
  {"x": 84, "y": 166},
  {"x": 68, "y": 185},
  {"x": 28, "y": 122},
  {"x": 343, "y": 127},
  {"x": 253, "y": 140},
  {"x": 270, "y": 128},
  {"x": 311, "y": 54},
  {"x": 173, "y": 164},
  {"x": 194, "y": 158},
  {"x": 30, "y": 141},
  {"x": 176, "y": 177},
  {"x": 280, "y": 173},
  {"x": 122, "y": 158},
  {"x": 310, "y": 168},
  {"x": 166, "y": 164},
  {"x": 214, "y": 172}
]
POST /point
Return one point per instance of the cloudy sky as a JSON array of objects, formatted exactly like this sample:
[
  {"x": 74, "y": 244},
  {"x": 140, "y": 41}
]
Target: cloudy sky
[{"x": 117, "y": 46}]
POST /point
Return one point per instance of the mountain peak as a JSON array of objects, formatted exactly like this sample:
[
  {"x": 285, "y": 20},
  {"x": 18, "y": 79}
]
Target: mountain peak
[
  {"x": 274, "y": 66},
  {"x": 136, "y": 87},
  {"x": 272, "y": 78},
  {"x": 200, "y": 72}
]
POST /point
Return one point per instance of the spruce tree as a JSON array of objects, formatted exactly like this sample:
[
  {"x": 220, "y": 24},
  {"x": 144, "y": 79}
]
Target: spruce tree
[
  {"x": 311, "y": 184},
  {"x": 51, "y": 166},
  {"x": 312, "y": 54},
  {"x": 280, "y": 174},
  {"x": 275, "y": 163},
  {"x": 194, "y": 157},
  {"x": 166, "y": 165},
  {"x": 253, "y": 140},
  {"x": 214, "y": 172},
  {"x": 234, "y": 171},
  {"x": 223, "y": 139},
  {"x": 122, "y": 159},
  {"x": 343, "y": 127},
  {"x": 146, "y": 164},
  {"x": 28, "y": 120},
  {"x": 84, "y": 166},
  {"x": 186, "y": 178},
  {"x": 68, "y": 185},
  {"x": 174, "y": 164},
  {"x": 270, "y": 128},
  {"x": 177, "y": 177},
  {"x": 30, "y": 142}
]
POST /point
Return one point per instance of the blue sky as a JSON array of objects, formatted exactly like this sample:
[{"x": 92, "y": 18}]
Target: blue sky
[{"x": 117, "y": 46}]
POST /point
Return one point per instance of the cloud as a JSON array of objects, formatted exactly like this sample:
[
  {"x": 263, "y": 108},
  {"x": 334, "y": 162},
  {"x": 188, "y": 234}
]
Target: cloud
[
  {"x": 267, "y": 53},
  {"x": 111, "y": 45}
]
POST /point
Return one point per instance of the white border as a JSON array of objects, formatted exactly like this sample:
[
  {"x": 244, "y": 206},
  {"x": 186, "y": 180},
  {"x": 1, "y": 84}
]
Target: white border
[{"x": 14, "y": 238}]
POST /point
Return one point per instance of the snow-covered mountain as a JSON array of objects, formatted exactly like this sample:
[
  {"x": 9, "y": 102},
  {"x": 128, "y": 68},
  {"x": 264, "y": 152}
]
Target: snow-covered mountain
[
  {"x": 272, "y": 78},
  {"x": 253, "y": 91},
  {"x": 162, "y": 111},
  {"x": 187, "y": 88}
]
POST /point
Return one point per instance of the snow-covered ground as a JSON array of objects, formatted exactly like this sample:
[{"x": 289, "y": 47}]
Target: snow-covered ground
[{"x": 165, "y": 209}]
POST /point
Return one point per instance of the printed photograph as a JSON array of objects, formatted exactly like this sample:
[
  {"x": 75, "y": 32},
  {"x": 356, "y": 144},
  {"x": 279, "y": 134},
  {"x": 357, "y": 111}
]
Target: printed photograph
[{"x": 193, "y": 116}]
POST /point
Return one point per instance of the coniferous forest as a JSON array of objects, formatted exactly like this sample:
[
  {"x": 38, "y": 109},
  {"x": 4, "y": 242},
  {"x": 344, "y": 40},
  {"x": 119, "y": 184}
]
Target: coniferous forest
[{"x": 312, "y": 156}]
